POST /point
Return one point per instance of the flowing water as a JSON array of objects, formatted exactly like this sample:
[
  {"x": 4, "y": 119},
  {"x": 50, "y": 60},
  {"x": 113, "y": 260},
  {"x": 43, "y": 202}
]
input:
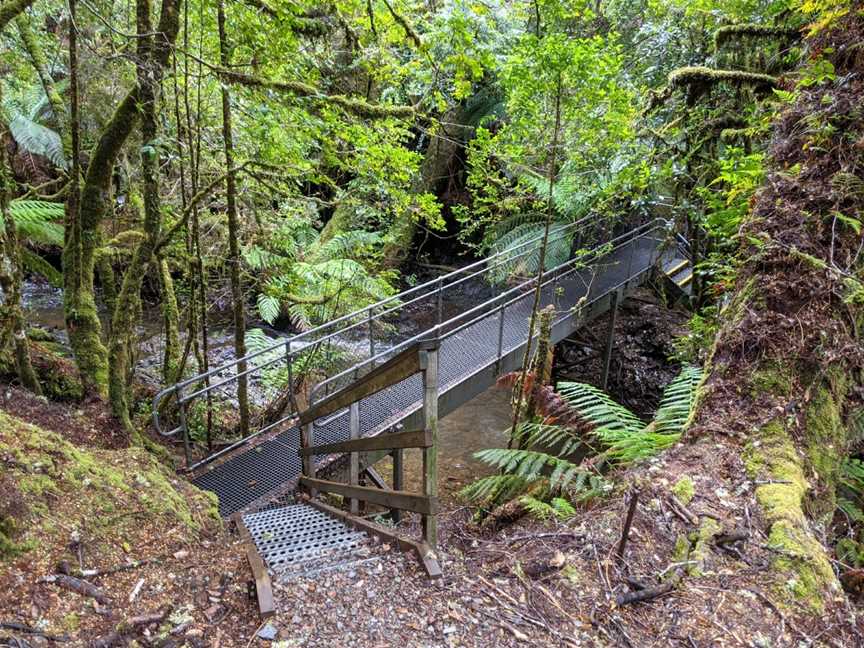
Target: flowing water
[{"x": 481, "y": 423}]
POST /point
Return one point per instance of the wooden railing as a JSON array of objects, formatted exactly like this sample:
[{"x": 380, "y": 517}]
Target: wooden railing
[{"x": 421, "y": 358}]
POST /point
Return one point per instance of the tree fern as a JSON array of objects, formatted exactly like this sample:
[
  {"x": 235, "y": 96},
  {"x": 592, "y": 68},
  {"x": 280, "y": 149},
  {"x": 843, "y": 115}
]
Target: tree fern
[
  {"x": 37, "y": 221},
  {"x": 38, "y": 139}
]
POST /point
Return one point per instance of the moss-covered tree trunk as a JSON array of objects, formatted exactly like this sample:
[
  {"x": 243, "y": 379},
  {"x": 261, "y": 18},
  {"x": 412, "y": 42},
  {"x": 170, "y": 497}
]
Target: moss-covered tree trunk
[
  {"x": 85, "y": 221},
  {"x": 153, "y": 53},
  {"x": 233, "y": 233},
  {"x": 12, "y": 325},
  {"x": 436, "y": 166}
]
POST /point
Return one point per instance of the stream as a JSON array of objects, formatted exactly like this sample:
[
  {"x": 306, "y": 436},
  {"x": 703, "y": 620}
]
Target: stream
[{"x": 480, "y": 423}]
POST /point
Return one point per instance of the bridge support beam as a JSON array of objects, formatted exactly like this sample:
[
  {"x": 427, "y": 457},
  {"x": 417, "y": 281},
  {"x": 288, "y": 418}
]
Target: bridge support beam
[
  {"x": 429, "y": 365},
  {"x": 610, "y": 340},
  {"x": 398, "y": 480}
]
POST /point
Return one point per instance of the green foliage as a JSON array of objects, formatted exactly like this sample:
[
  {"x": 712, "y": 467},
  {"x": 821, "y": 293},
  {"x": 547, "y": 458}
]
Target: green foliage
[
  {"x": 620, "y": 437},
  {"x": 37, "y": 221},
  {"x": 25, "y": 115},
  {"x": 727, "y": 197},
  {"x": 313, "y": 281},
  {"x": 557, "y": 508}
]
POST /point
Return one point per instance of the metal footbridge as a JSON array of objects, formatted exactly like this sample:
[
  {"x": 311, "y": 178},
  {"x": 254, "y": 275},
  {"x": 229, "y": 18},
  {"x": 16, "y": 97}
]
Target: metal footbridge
[{"x": 479, "y": 315}]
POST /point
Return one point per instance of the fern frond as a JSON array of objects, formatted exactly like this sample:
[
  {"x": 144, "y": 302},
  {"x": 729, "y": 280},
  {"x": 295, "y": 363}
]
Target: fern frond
[
  {"x": 37, "y": 221},
  {"x": 35, "y": 263},
  {"x": 494, "y": 488},
  {"x": 38, "y": 139},
  {"x": 677, "y": 401},
  {"x": 598, "y": 409}
]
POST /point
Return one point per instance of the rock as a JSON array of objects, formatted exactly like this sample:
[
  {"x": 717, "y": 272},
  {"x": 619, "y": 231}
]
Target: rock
[
  {"x": 268, "y": 632},
  {"x": 182, "y": 554},
  {"x": 213, "y": 612}
]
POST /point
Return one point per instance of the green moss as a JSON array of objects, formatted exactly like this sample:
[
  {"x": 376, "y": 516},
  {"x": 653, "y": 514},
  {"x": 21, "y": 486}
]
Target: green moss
[
  {"x": 826, "y": 445},
  {"x": 684, "y": 490},
  {"x": 775, "y": 379},
  {"x": 98, "y": 482},
  {"x": 800, "y": 558},
  {"x": 701, "y": 540}
]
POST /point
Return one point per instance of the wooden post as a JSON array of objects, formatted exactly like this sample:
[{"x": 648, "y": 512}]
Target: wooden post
[
  {"x": 398, "y": 480},
  {"x": 308, "y": 440},
  {"x": 354, "y": 465},
  {"x": 429, "y": 365},
  {"x": 610, "y": 339}
]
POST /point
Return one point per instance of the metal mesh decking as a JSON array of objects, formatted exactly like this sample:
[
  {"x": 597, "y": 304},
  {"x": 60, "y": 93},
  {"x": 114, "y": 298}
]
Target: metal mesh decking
[{"x": 252, "y": 474}]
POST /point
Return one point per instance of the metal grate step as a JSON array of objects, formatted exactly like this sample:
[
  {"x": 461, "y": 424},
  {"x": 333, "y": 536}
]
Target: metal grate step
[{"x": 301, "y": 539}]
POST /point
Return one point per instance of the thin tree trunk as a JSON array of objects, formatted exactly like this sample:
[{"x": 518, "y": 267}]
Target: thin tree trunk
[
  {"x": 515, "y": 440},
  {"x": 12, "y": 324},
  {"x": 153, "y": 55},
  {"x": 233, "y": 233}
]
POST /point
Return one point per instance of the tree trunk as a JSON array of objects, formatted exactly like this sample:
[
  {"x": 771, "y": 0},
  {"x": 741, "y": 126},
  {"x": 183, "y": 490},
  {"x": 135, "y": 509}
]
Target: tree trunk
[
  {"x": 153, "y": 52},
  {"x": 233, "y": 233},
  {"x": 12, "y": 324},
  {"x": 79, "y": 257}
]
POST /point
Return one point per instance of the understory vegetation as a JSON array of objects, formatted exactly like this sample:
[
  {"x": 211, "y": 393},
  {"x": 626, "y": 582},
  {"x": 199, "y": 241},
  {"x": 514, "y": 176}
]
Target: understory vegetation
[{"x": 197, "y": 181}]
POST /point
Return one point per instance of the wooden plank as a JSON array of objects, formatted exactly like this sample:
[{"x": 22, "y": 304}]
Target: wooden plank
[
  {"x": 425, "y": 554},
  {"x": 391, "y": 372},
  {"x": 354, "y": 459},
  {"x": 430, "y": 454},
  {"x": 402, "y": 500},
  {"x": 263, "y": 585},
  {"x": 387, "y": 441}
]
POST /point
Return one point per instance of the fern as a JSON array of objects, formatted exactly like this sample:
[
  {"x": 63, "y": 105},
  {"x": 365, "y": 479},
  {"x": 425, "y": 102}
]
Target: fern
[
  {"x": 37, "y": 221},
  {"x": 495, "y": 488},
  {"x": 589, "y": 415},
  {"x": 557, "y": 508},
  {"x": 38, "y": 139}
]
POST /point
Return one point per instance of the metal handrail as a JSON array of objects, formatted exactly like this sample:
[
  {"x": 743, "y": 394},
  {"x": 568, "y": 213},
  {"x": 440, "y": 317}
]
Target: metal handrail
[
  {"x": 441, "y": 284},
  {"x": 366, "y": 317},
  {"x": 484, "y": 309}
]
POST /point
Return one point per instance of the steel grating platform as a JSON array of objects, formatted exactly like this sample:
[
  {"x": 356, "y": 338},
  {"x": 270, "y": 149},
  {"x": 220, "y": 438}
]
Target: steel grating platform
[
  {"x": 300, "y": 539},
  {"x": 271, "y": 465}
]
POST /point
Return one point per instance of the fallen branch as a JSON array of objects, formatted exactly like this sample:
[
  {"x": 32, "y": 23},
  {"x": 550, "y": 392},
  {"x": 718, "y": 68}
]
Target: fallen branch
[
  {"x": 77, "y": 585},
  {"x": 25, "y": 629},
  {"x": 647, "y": 594}
]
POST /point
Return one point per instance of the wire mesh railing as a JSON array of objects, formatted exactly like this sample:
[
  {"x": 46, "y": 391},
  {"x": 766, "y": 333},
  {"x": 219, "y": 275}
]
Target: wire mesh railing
[{"x": 346, "y": 348}]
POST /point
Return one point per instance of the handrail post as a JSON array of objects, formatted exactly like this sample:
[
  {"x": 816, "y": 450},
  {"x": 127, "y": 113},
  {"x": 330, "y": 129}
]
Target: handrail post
[
  {"x": 369, "y": 319},
  {"x": 610, "y": 340},
  {"x": 292, "y": 398},
  {"x": 307, "y": 440},
  {"x": 354, "y": 466},
  {"x": 501, "y": 310},
  {"x": 440, "y": 301},
  {"x": 429, "y": 366}
]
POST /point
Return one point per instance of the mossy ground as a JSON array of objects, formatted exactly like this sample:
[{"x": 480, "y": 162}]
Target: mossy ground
[{"x": 119, "y": 505}]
